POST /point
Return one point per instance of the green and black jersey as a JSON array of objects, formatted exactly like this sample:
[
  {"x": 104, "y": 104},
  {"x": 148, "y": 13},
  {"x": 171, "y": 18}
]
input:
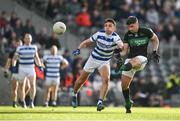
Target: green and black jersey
[{"x": 138, "y": 42}]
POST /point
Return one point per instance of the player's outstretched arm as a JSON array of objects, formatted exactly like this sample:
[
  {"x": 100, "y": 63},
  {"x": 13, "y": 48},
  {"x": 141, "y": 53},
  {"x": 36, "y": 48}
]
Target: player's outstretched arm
[
  {"x": 155, "y": 42},
  {"x": 65, "y": 63},
  {"x": 38, "y": 60},
  {"x": 83, "y": 44}
]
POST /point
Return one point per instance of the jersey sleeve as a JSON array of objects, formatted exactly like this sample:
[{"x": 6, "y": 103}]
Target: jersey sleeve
[
  {"x": 93, "y": 38},
  {"x": 35, "y": 48},
  {"x": 149, "y": 32},
  {"x": 125, "y": 40},
  {"x": 118, "y": 40},
  {"x": 62, "y": 58}
]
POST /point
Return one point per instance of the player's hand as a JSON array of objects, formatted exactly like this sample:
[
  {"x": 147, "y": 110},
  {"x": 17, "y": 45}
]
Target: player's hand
[
  {"x": 14, "y": 69},
  {"x": 117, "y": 55},
  {"x": 41, "y": 68},
  {"x": 76, "y": 52},
  {"x": 156, "y": 56}
]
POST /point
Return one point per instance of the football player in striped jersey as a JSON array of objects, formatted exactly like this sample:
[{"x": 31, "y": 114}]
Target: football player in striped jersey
[{"x": 106, "y": 40}]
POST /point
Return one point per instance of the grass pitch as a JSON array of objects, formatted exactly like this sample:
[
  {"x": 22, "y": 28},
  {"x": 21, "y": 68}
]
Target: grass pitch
[{"x": 89, "y": 114}]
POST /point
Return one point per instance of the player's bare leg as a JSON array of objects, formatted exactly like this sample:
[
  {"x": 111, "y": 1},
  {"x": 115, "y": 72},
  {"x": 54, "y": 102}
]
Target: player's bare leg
[
  {"x": 105, "y": 74},
  {"x": 126, "y": 81},
  {"x": 22, "y": 93},
  {"x": 32, "y": 80},
  {"x": 47, "y": 95},
  {"x": 27, "y": 87},
  {"x": 54, "y": 94},
  {"x": 14, "y": 92},
  {"x": 78, "y": 84}
]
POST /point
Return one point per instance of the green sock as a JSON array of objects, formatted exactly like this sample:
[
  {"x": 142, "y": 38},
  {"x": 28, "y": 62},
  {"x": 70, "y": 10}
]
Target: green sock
[
  {"x": 128, "y": 103},
  {"x": 126, "y": 94}
]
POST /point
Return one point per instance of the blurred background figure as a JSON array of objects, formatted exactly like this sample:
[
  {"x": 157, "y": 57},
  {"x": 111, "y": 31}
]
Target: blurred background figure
[{"x": 52, "y": 75}]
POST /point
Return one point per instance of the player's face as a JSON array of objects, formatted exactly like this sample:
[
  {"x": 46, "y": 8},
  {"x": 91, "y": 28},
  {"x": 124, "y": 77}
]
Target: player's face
[
  {"x": 54, "y": 50},
  {"x": 109, "y": 28},
  {"x": 133, "y": 27},
  {"x": 27, "y": 39}
]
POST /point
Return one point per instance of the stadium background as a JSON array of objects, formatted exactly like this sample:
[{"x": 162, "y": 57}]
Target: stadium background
[{"x": 157, "y": 85}]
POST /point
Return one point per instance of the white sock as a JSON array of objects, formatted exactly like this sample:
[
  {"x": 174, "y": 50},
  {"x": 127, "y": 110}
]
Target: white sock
[
  {"x": 46, "y": 103},
  {"x": 99, "y": 102},
  {"x": 54, "y": 102}
]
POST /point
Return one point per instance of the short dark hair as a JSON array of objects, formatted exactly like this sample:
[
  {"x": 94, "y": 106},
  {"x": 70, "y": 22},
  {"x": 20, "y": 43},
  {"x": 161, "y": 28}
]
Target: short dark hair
[
  {"x": 131, "y": 20},
  {"x": 110, "y": 20},
  {"x": 18, "y": 40}
]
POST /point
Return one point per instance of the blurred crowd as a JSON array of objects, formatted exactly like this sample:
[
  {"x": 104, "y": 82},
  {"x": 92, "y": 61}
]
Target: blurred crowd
[{"x": 161, "y": 15}]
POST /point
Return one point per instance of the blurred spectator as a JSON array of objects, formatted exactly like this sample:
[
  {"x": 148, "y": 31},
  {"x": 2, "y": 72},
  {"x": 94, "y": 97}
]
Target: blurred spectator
[
  {"x": 52, "y": 8},
  {"x": 67, "y": 56},
  {"x": 84, "y": 18},
  {"x": 3, "y": 22},
  {"x": 53, "y": 40},
  {"x": 13, "y": 19},
  {"x": 12, "y": 40},
  {"x": 29, "y": 28},
  {"x": 3, "y": 42},
  {"x": 18, "y": 28},
  {"x": 171, "y": 29},
  {"x": 69, "y": 80},
  {"x": 172, "y": 85},
  {"x": 176, "y": 23},
  {"x": 177, "y": 8},
  {"x": 96, "y": 18},
  {"x": 62, "y": 7},
  {"x": 42, "y": 37},
  {"x": 122, "y": 12},
  {"x": 139, "y": 90},
  {"x": 152, "y": 16},
  {"x": 73, "y": 7},
  {"x": 77, "y": 67}
]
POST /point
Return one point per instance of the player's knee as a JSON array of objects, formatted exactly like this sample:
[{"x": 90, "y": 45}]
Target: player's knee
[{"x": 135, "y": 62}]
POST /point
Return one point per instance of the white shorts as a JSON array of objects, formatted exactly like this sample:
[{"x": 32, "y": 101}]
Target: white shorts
[
  {"x": 52, "y": 81},
  {"x": 131, "y": 73},
  {"x": 26, "y": 72},
  {"x": 93, "y": 64},
  {"x": 15, "y": 77}
]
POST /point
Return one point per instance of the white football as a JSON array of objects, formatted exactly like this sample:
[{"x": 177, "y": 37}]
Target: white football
[{"x": 59, "y": 28}]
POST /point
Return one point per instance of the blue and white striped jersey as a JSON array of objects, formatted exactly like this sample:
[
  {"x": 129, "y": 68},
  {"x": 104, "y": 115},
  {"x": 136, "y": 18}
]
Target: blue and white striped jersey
[
  {"x": 105, "y": 45},
  {"x": 52, "y": 64},
  {"x": 26, "y": 54}
]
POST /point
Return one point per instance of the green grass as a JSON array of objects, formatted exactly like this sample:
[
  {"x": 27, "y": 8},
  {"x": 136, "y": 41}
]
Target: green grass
[{"x": 89, "y": 114}]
